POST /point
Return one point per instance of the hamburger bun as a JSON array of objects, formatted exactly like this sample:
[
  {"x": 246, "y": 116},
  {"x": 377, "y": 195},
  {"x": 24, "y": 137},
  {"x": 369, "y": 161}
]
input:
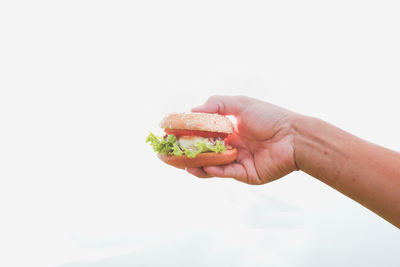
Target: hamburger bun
[
  {"x": 201, "y": 160},
  {"x": 198, "y": 121}
]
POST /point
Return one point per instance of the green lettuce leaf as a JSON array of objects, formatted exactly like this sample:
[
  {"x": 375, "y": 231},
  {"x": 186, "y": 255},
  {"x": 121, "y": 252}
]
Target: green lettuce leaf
[
  {"x": 203, "y": 147},
  {"x": 167, "y": 147},
  {"x": 170, "y": 146}
]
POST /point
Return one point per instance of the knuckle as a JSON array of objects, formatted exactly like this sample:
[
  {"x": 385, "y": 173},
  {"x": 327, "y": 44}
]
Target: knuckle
[
  {"x": 218, "y": 101},
  {"x": 214, "y": 98}
]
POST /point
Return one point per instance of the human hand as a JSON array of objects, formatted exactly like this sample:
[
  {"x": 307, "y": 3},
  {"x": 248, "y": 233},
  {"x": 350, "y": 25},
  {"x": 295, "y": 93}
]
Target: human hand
[
  {"x": 273, "y": 142},
  {"x": 264, "y": 139}
]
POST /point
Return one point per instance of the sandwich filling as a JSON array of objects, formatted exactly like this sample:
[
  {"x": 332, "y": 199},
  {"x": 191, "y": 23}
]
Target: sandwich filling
[{"x": 187, "y": 145}]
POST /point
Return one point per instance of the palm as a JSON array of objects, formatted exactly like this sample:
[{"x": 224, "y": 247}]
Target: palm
[
  {"x": 263, "y": 139},
  {"x": 265, "y": 151},
  {"x": 261, "y": 161}
]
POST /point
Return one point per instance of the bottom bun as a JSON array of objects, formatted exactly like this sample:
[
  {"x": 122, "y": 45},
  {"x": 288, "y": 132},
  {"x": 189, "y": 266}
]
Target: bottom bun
[{"x": 201, "y": 160}]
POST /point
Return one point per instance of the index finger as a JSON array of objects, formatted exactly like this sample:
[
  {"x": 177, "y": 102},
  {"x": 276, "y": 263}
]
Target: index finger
[{"x": 224, "y": 105}]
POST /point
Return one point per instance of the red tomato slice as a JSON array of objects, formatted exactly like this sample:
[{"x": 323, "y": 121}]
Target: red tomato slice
[{"x": 178, "y": 133}]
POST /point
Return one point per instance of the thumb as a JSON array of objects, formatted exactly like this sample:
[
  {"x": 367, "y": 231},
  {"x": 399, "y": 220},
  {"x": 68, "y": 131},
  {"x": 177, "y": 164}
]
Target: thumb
[{"x": 224, "y": 105}]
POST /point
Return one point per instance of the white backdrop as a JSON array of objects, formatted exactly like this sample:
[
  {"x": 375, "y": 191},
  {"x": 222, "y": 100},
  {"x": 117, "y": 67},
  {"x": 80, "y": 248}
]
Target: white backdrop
[{"x": 83, "y": 82}]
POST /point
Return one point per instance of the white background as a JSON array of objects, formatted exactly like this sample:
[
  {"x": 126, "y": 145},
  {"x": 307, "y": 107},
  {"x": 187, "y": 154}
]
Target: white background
[{"x": 83, "y": 82}]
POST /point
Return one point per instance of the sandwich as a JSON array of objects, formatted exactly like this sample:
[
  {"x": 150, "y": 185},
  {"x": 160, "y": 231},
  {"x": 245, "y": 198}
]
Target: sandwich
[{"x": 194, "y": 140}]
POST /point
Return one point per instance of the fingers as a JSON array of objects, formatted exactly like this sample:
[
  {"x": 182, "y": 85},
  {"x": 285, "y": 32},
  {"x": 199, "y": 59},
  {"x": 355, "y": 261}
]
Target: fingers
[
  {"x": 225, "y": 105},
  {"x": 232, "y": 170},
  {"x": 199, "y": 172}
]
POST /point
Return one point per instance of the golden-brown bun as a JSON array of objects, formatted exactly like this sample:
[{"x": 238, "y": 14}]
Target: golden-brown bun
[
  {"x": 201, "y": 160},
  {"x": 198, "y": 121}
]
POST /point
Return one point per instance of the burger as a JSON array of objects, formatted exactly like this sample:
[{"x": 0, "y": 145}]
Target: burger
[{"x": 194, "y": 140}]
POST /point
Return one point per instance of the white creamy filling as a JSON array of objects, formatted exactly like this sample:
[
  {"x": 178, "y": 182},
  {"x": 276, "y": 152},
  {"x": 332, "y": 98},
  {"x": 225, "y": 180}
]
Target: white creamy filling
[{"x": 190, "y": 141}]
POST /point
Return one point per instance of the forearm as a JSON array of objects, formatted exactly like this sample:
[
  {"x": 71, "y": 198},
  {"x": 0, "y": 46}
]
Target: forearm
[{"x": 365, "y": 172}]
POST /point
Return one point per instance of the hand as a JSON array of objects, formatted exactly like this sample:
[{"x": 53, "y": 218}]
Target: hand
[{"x": 264, "y": 139}]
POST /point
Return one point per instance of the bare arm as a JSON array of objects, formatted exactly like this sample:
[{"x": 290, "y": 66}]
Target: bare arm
[
  {"x": 365, "y": 172},
  {"x": 273, "y": 142}
]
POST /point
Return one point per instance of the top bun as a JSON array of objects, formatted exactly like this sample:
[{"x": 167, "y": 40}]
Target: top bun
[{"x": 198, "y": 121}]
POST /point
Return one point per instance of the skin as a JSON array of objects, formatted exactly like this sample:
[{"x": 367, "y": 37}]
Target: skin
[{"x": 272, "y": 142}]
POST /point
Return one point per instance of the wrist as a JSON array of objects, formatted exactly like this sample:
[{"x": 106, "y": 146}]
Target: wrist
[
  {"x": 302, "y": 127},
  {"x": 298, "y": 128},
  {"x": 320, "y": 149}
]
